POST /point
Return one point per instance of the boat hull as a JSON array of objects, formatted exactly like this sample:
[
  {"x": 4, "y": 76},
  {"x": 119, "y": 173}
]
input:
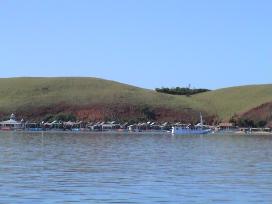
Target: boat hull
[{"x": 190, "y": 131}]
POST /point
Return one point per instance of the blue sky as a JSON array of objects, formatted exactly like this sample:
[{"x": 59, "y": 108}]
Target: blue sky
[{"x": 147, "y": 43}]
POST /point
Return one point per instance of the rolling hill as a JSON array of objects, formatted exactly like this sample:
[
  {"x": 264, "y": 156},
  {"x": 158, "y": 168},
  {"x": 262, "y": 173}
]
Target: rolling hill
[
  {"x": 90, "y": 99},
  {"x": 235, "y": 100},
  {"x": 98, "y": 99}
]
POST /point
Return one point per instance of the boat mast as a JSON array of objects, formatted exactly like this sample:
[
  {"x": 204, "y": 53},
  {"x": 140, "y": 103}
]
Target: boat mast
[{"x": 201, "y": 120}]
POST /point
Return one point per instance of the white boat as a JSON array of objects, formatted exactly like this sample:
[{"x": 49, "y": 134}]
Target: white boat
[
  {"x": 11, "y": 124},
  {"x": 198, "y": 129}
]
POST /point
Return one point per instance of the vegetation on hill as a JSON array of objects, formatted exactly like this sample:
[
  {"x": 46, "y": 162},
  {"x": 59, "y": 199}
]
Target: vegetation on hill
[
  {"x": 248, "y": 122},
  {"x": 95, "y": 99},
  {"x": 232, "y": 101},
  {"x": 259, "y": 116},
  {"x": 90, "y": 99},
  {"x": 181, "y": 91}
]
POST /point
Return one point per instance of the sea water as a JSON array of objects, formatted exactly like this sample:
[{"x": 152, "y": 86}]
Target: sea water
[{"x": 134, "y": 168}]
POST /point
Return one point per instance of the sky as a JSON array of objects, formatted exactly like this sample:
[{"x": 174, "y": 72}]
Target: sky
[{"x": 146, "y": 43}]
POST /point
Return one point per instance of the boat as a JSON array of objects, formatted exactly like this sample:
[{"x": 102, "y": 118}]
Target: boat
[
  {"x": 11, "y": 124},
  {"x": 198, "y": 129}
]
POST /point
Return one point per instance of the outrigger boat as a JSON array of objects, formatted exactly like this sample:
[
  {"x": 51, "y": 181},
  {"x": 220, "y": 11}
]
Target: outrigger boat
[{"x": 198, "y": 129}]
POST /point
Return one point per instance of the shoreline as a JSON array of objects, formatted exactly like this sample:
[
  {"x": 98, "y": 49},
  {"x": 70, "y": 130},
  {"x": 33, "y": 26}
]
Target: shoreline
[{"x": 238, "y": 133}]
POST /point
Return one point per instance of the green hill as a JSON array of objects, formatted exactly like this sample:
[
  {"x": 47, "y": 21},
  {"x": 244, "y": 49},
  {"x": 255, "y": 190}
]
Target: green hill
[
  {"x": 235, "y": 100},
  {"x": 23, "y": 92},
  {"x": 98, "y": 99},
  {"x": 45, "y": 95}
]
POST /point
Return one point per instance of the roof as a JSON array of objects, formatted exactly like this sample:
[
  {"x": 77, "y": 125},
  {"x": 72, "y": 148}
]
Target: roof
[
  {"x": 10, "y": 122},
  {"x": 225, "y": 125}
]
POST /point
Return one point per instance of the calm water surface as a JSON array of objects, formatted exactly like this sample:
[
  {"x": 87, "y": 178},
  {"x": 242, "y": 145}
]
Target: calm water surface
[{"x": 134, "y": 168}]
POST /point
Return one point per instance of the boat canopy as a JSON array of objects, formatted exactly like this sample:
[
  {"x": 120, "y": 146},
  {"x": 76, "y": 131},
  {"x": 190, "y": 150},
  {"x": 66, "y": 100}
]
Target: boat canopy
[{"x": 10, "y": 122}]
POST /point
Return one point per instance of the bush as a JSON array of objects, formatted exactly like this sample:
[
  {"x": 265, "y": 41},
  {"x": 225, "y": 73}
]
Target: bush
[
  {"x": 65, "y": 117},
  {"x": 149, "y": 114},
  {"x": 181, "y": 91},
  {"x": 242, "y": 122}
]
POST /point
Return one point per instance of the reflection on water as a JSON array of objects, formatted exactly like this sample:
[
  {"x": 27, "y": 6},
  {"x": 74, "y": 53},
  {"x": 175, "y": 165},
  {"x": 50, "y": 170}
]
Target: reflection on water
[{"x": 134, "y": 168}]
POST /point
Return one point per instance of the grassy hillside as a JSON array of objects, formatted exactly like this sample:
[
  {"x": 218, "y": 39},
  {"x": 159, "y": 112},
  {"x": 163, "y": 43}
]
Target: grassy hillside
[
  {"x": 236, "y": 100},
  {"x": 18, "y": 92},
  {"x": 32, "y": 93},
  {"x": 92, "y": 95}
]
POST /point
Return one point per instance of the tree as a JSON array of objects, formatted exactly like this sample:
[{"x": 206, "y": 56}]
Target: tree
[{"x": 181, "y": 91}]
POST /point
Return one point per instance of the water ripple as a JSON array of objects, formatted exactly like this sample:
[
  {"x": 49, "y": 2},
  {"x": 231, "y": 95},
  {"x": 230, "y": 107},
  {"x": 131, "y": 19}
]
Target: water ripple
[{"x": 126, "y": 168}]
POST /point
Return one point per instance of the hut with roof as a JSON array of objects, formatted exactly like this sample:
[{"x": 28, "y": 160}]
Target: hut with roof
[
  {"x": 11, "y": 124},
  {"x": 226, "y": 126}
]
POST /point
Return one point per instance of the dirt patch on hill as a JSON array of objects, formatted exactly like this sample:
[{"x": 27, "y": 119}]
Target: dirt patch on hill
[
  {"x": 118, "y": 112},
  {"x": 262, "y": 112}
]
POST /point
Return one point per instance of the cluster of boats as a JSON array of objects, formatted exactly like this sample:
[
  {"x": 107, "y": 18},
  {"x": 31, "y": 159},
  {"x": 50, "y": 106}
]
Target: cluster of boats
[
  {"x": 176, "y": 129},
  {"x": 179, "y": 129}
]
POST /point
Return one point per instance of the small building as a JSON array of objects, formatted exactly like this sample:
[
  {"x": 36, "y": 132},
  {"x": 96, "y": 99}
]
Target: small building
[
  {"x": 226, "y": 126},
  {"x": 110, "y": 126},
  {"x": 11, "y": 124}
]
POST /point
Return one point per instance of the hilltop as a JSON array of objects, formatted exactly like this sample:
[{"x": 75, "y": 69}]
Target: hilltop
[
  {"x": 91, "y": 99},
  {"x": 235, "y": 101},
  {"x": 98, "y": 99}
]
